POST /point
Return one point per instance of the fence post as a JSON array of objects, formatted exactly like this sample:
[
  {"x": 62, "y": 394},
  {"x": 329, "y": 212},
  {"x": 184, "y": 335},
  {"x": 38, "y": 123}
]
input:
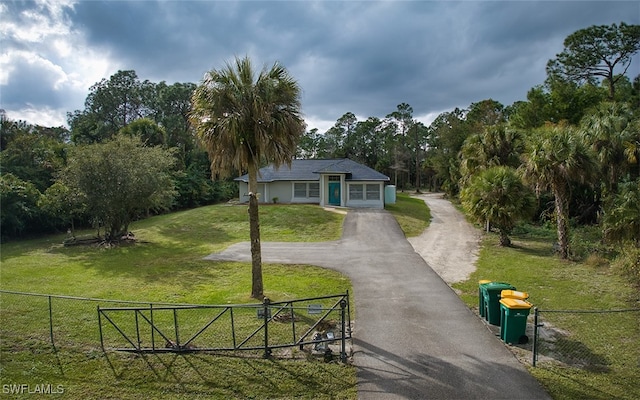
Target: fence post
[
  {"x": 153, "y": 328},
  {"x": 534, "y": 350},
  {"x": 175, "y": 325},
  {"x": 265, "y": 305},
  {"x": 100, "y": 328},
  {"x": 343, "y": 350},
  {"x": 51, "y": 325}
]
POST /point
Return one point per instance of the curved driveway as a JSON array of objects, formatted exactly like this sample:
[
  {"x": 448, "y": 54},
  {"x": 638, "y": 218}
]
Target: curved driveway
[{"x": 413, "y": 337}]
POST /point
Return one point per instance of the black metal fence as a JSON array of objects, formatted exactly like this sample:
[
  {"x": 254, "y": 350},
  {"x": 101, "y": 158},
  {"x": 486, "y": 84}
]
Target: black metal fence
[
  {"x": 321, "y": 324},
  {"x": 315, "y": 322},
  {"x": 597, "y": 340}
]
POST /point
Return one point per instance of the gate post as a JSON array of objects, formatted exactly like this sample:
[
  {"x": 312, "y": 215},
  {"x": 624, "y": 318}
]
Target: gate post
[
  {"x": 265, "y": 314},
  {"x": 100, "y": 328},
  {"x": 343, "y": 350}
]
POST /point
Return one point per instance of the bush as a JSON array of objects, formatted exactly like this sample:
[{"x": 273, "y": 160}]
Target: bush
[
  {"x": 587, "y": 242},
  {"x": 628, "y": 263}
]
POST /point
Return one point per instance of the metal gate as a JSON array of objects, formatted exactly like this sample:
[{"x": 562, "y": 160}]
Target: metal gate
[{"x": 318, "y": 322}]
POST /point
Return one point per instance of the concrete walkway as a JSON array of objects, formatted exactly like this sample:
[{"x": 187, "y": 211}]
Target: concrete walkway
[{"x": 413, "y": 337}]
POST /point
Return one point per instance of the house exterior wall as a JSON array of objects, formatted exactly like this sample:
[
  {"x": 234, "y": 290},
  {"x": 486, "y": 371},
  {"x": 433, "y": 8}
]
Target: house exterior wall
[
  {"x": 283, "y": 190},
  {"x": 356, "y": 194}
]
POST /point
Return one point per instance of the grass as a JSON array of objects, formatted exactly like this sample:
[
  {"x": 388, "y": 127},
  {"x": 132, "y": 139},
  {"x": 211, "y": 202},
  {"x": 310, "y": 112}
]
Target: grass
[
  {"x": 411, "y": 213},
  {"x": 164, "y": 266},
  {"x": 167, "y": 266},
  {"x": 554, "y": 284}
]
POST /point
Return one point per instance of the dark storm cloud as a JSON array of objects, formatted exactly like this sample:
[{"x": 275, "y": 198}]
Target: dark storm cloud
[
  {"x": 360, "y": 57},
  {"x": 35, "y": 84}
]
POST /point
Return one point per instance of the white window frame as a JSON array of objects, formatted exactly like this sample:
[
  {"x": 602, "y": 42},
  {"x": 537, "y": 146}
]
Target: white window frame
[{"x": 307, "y": 190}]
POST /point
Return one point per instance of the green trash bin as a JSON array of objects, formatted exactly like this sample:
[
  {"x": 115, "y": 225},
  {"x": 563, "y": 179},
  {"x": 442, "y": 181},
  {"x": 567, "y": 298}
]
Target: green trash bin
[
  {"x": 482, "y": 309},
  {"x": 492, "y": 292},
  {"x": 513, "y": 324}
]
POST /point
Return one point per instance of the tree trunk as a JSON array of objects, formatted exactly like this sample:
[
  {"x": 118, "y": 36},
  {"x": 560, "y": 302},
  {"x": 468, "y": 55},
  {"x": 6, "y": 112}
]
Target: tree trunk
[
  {"x": 562, "y": 219},
  {"x": 505, "y": 241},
  {"x": 254, "y": 236}
]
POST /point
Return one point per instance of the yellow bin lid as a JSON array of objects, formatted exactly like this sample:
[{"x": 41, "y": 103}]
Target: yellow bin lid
[
  {"x": 516, "y": 303},
  {"x": 514, "y": 294},
  {"x": 481, "y": 281}
]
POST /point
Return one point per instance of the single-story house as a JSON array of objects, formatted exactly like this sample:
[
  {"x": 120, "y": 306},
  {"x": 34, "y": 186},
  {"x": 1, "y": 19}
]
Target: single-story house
[{"x": 336, "y": 182}]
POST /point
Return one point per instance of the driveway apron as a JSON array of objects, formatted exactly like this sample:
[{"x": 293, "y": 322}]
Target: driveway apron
[{"x": 413, "y": 337}]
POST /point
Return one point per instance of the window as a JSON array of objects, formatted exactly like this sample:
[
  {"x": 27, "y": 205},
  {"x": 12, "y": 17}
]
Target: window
[
  {"x": 355, "y": 192},
  {"x": 314, "y": 190},
  {"x": 334, "y": 178},
  {"x": 305, "y": 190},
  {"x": 373, "y": 192},
  {"x": 299, "y": 190}
]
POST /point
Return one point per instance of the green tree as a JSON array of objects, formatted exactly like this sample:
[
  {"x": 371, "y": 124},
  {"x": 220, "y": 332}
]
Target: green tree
[
  {"x": 606, "y": 129},
  {"x": 596, "y": 52},
  {"x": 119, "y": 181},
  {"x": 19, "y": 201},
  {"x": 498, "y": 196},
  {"x": 446, "y": 137},
  {"x": 243, "y": 121},
  {"x": 33, "y": 153},
  {"x": 150, "y": 133},
  {"x": 111, "y": 105},
  {"x": 497, "y": 145},
  {"x": 62, "y": 205},
  {"x": 170, "y": 108},
  {"x": 555, "y": 158},
  {"x": 534, "y": 112},
  {"x": 335, "y": 139},
  {"x": 309, "y": 145},
  {"x": 621, "y": 220}
]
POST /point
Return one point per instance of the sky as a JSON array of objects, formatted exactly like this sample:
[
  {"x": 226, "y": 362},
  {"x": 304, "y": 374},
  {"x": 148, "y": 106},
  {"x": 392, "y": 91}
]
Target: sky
[{"x": 364, "y": 57}]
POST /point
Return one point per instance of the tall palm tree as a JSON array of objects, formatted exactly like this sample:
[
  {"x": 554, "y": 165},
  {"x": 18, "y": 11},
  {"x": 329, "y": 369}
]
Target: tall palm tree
[
  {"x": 556, "y": 158},
  {"x": 244, "y": 121}
]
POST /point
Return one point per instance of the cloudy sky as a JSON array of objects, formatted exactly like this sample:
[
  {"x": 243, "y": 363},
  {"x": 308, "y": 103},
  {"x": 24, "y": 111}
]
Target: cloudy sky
[{"x": 364, "y": 57}]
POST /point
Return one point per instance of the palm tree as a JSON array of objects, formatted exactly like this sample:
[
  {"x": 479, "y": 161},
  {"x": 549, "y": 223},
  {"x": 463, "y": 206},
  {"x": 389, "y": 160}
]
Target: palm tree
[
  {"x": 496, "y": 145},
  {"x": 607, "y": 129},
  {"x": 244, "y": 121},
  {"x": 498, "y": 195},
  {"x": 556, "y": 158},
  {"x": 622, "y": 216}
]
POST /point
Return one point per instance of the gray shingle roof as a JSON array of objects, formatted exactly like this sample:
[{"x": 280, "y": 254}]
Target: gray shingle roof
[{"x": 310, "y": 170}]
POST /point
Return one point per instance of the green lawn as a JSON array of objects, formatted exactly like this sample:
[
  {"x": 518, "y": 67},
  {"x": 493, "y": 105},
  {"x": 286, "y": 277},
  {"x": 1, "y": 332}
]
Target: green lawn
[
  {"x": 411, "y": 213},
  {"x": 553, "y": 284},
  {"x": 164, "y": 266}
]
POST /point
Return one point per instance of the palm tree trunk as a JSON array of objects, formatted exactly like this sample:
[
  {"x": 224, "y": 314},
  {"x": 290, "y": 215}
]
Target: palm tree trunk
[
  {"x": 254, "y": 236},
  {"x": 505, "y": 241},
  {"x": 562, "y": 219}
]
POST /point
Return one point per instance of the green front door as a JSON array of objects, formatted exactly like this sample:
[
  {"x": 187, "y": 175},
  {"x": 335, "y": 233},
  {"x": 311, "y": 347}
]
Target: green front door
[{"x": 334, "y": 193}]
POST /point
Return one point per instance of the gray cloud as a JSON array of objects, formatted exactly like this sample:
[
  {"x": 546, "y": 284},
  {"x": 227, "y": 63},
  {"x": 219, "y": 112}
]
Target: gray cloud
[{"x": 362, "y": 57}]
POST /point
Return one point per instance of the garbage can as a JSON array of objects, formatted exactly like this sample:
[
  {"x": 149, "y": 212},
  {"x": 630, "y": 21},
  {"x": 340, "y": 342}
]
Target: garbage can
[
  {"x": 492, "y": 292},
  {"x": 481, "y": 306},
  {"x": 514, "y": 294},
  {"x": 513, "y": 324}
]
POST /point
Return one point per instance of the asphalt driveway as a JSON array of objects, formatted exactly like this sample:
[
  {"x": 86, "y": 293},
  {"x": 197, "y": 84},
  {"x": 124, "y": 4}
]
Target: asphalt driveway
[{"x": 413, "y": 337}]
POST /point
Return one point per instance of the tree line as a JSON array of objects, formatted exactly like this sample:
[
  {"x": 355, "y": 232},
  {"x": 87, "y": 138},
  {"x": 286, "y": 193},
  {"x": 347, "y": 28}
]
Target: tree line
[{"x": 567, "y": 154}]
